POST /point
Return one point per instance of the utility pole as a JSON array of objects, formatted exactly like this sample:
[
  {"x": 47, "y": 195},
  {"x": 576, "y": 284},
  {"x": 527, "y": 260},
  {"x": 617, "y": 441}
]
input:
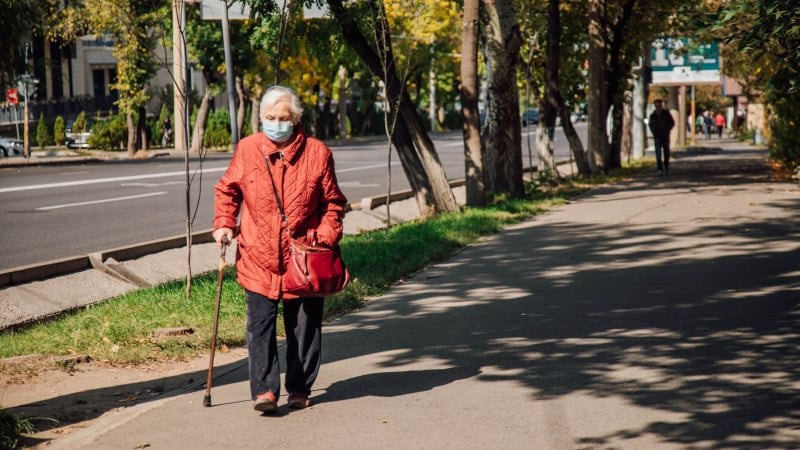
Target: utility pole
[{"x": 178, "y": 73}]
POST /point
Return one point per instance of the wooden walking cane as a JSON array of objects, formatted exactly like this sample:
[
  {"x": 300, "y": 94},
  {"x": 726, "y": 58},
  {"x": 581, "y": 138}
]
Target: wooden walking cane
[{"x": 220, "y": 275}]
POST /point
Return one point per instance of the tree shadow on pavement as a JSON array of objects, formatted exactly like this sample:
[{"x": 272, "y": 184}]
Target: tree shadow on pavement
[{"x": 696, "y": 318}]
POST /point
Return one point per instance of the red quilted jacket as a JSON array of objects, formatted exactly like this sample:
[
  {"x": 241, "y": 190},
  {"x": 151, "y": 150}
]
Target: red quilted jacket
[{"x": 306, "y": 183}]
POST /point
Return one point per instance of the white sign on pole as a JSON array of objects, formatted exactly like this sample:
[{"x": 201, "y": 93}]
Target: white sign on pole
[{"x": 213, "y": 10}]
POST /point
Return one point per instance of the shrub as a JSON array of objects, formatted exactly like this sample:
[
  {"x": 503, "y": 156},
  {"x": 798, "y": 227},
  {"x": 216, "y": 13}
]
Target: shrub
[
  {"x": 110, "y": 133},
  {"x": 218, "y": 128},
  {"x": 59, "y": 132},
  {"x": 41, "y": 132},
  {"x": 784, "y": 145},
  {"x": 79, "y": 126}
]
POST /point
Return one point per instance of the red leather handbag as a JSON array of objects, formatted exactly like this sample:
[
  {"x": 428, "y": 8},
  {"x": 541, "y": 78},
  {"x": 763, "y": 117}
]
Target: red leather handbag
[{"x": 315, "y": 271}]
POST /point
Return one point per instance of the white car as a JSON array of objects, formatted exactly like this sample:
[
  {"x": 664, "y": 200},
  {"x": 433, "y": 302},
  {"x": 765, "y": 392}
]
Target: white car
[
  {"x": 10, "y": 147},
  {"x": 78, "y": 140}
]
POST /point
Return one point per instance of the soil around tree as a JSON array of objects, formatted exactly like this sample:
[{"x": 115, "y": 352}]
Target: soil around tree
[{"x": 60, "y": 399}]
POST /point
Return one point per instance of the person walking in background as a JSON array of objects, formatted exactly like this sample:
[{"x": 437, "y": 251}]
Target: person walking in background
[
  {"x": 719, "y": 122},
  {"x": 282, "y": 162},
  {"x": 708, "y": 124},
  {"x": 661, "y": 123}
]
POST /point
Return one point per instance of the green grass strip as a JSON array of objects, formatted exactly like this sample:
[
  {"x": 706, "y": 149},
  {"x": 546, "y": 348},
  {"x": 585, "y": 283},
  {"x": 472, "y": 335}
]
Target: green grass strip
[{"x": 120, "y": 331}]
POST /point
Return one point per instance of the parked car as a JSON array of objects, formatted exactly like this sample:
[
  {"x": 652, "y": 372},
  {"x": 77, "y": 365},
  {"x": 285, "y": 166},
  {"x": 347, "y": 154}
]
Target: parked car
[
  {"x": 10, "y": 147},
  {"x": 78, "y": 140},
  {"x": 530, "y": 116},
  {"x": 577, "y": 116}
]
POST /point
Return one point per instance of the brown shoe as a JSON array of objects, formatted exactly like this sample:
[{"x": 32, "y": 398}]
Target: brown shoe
[
  {"x": 298, "y": 401},
  {"x": 266, "y": 402}
]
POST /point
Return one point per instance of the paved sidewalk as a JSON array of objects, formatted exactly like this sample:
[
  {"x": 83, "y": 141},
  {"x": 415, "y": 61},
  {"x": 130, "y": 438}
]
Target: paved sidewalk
[{"x": 657, "y": 313}]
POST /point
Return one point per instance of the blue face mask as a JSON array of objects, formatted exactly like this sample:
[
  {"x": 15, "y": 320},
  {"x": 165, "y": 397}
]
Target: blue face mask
[{"x": 277, "y": 131}]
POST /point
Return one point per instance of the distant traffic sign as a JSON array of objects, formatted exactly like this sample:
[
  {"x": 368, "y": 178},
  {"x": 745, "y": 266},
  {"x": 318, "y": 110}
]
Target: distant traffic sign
[{"x": 11, "y": 96}]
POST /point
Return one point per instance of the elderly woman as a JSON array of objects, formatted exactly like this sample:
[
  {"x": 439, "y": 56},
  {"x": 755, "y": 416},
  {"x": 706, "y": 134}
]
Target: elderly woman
[{"x": 301, "y": 174}]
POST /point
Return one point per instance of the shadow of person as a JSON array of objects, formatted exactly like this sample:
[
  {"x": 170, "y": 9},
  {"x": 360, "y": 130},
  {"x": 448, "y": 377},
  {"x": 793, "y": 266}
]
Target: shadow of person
[{"x": 393, "y": 384}]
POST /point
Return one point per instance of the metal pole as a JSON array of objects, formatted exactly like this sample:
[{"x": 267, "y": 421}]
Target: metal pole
[
  {"x": 694, "y": 119},
  {"x": 226, "y": 40},
  {"x": 26, "y": 151}
]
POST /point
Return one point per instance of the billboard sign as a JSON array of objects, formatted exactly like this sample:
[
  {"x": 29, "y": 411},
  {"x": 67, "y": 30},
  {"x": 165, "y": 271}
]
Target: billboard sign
[
  {"x": 681, "y": 62},
  {"x": 215, "y": 10}
]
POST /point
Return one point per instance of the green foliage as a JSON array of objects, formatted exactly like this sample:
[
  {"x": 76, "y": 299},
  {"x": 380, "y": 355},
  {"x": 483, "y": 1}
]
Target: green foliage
[
  {"x": 158, "y": 130},
  {"x": 218, "y": 130},
  {"x": 59, "y": 131},
  {"x": 41, "y": 132},
  {"x": 11, "y": 427},
  {"x": 110, "y": 133},
  {"x": 784, "y": 146},
  {"x": 79, "y": 126}
]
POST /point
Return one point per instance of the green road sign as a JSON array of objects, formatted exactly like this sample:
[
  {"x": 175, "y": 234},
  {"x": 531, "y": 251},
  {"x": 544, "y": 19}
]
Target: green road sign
[{"x": 683, "y": 62}]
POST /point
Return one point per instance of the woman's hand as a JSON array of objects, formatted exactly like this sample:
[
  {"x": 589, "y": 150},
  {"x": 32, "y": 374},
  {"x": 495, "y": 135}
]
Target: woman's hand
[{"x": 222, "y": 235}]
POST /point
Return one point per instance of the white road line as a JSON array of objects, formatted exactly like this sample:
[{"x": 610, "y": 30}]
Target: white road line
[
  {"x": 354, "y": 169},
  {"x": 165, "y": 183},
  {"x": 94, "y": 202},
  {"x": 148, "y": 176},
  {"x": 103, "y": 180}
]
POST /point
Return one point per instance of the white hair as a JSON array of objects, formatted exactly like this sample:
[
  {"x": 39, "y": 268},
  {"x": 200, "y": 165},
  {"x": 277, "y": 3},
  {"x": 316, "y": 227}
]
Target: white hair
[{"x": 276, "y": 94}]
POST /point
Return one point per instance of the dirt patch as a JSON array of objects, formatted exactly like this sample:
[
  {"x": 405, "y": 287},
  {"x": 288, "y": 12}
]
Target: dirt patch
[{"x": 62, "y": 398}]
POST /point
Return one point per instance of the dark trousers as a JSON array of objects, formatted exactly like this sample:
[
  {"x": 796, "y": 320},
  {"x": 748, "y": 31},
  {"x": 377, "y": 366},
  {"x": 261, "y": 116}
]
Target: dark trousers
[
  {"x": 302, "y": 319},
  {"x": 662, "y": 146}
]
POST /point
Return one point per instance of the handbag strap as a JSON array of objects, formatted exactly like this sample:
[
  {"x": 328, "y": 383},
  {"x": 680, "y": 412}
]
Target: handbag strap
[
  {"x": 311, "y": 234},
  {"x": 277, "y": 197}
]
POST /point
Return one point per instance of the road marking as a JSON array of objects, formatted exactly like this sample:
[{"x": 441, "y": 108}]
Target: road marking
[
  {"x": 103, "y": 180},
  {"x": 355, "y": 184},
  {"x": 149, "y": 176},
  {"x": 94, "y": 202},
  {"x": 166, "y": 183},
  {"x": 353, "y": 169}
]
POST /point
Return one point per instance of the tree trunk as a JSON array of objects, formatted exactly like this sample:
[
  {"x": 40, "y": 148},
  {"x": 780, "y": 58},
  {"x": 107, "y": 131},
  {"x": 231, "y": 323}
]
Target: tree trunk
[
  {"x": 596, "y": 99},
  {"x": 241, "y": 111},
  {"x": 501, "y": 137},
  {"x": 550, "y": 105},
  {"x": 142, "y": 128},
  {"x": 200, "y": 123},
  {"x": 342, "y": 104},
  {"x": 626, "y": 142},
  {"x": 255, "y": 108},
  {"x": 435, "y": 190},
  {"x": 575, "y": 144},
  {"x": 473, "y": 154},
  {"x": 619, "y": 69},
  {"x": 639, "y": 131},
  {"x": 131, "y": 135}
]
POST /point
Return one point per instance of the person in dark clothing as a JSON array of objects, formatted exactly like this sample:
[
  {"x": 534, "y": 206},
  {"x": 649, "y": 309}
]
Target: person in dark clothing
[{"x": 661, "y": 123}]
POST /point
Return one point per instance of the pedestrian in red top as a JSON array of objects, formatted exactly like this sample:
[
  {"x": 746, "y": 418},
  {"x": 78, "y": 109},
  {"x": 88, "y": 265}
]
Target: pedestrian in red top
[
  {"x": 305, "y": 180},
  {"x": 719, "y": 122}
]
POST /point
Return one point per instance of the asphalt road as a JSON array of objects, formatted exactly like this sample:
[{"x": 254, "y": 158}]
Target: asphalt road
[{"x": 59, "y": 211}]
